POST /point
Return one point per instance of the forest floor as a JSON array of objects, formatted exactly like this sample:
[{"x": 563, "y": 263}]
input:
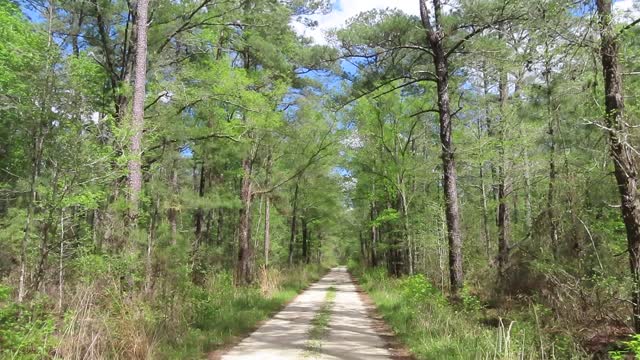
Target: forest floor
[{"x": 328, "y": 321}]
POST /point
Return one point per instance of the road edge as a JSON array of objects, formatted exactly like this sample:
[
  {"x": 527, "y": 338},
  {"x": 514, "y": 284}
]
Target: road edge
[
  {"x": 397, "y": 349},
  {"x": 236, "y": 340}
]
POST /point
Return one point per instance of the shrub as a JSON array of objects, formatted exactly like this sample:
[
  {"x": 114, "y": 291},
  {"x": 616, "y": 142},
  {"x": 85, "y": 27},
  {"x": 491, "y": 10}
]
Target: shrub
[
  {"x": 25, "y": 333},
  {"x": 632, "y": 348},
  {"x": 417, "y": 288}
]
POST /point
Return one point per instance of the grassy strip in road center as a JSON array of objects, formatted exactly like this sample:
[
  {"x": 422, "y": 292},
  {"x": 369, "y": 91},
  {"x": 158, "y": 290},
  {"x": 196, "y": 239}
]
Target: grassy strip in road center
[{"x": 320, "y": 323}]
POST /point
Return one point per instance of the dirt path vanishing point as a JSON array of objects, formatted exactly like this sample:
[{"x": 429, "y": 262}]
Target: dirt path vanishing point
[{"x": 349, "y": 335}]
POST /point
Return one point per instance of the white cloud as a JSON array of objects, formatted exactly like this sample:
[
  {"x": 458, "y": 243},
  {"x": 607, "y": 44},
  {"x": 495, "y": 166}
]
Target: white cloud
[
  {"x": 624, "y": 5},
  {"x": 627, "y": 9},
  {"x": 346, "y": 9}
]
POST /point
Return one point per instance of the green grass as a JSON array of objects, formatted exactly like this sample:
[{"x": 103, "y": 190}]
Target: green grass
[
  {"x": 320, "y": 323},
  {"x": 433, "y": 329},
  {"x": 222, "y": 313}
]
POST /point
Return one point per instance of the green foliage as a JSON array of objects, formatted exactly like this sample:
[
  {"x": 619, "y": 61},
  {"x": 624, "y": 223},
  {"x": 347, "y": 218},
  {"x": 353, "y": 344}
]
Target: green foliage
[
  {"x": 388, "y": 215},
  {"x": 20, "y": 51},
  {"x": 632, "y": 347},
  {"x": 417, "y": 289},
  {"x": 220, "y": 312},
  {"x": 432, "y": 329},
  {"x": 470, "y": 301},
  {"x": 25, "y": 332}
]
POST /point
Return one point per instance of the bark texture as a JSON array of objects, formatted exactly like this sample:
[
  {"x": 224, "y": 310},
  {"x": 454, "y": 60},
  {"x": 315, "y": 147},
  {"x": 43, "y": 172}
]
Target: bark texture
[
  {"x": 436, "y": 37},
  {"x": 294, "y": 221},
  {"x": 137, "y": 118},
  {"x": 624, "y": 160},
  {"x": 245, "y": 252},
  {"x": 503, "y": 185}
]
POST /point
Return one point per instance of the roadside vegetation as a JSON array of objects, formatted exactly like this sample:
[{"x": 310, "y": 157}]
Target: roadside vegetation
[
  {"x": 433, "y": 328},
  {"x": 186, "y": 323}
]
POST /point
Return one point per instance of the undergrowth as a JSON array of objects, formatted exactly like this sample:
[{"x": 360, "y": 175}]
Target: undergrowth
[
  {"x": 432, "y": 328},
  {"x": 178, "y": 320},
  {"x": 222, "y": 312}
]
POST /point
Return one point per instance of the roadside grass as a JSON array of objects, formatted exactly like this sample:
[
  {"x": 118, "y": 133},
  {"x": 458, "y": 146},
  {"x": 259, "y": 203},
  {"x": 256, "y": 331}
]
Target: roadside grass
[
  {"x": 431, "y": 328},
  {"x": 178, "y": 320},
  {"x": 221, "y": 313},
  {"x": 320, "y": 323}
]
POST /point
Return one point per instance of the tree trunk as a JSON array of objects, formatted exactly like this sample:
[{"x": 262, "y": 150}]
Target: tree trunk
[
  {"x": 503, "y": 185},
  {"x": 259, "y": 222},
  {"x": 435, "y": 35},
  {"x": 151, "y": 237},
  {"x": 624, "y": 160},
  {"x": 485, "y": 213},
  {"x": 33, "y": 196},
  {"x": 407, "y": 231},
  {"x": 244, "y": 274},
  {"x": 267, "y": 213},
  {"x": 375, "y": 234},
  {"x": 199, "y": 218},
  {"x": 363, "y": 250},
  {"x": 292, "y": 239},
  {"x": 219, "y": 233},
  {"x": 47, "y": 227},
  {"x": 267, "y": 229},
  {"x": 172, "y": 213},
  {"x": 137, "y": 119},
  {"x": 61, "y": 263},
  {"x": 483, "y": 189},
  {"x": 527, "y": 184},
  {"x": 305, "y": 241},
  {"x": 77, "y": 25},
  {"x": 551, "y": 215}
]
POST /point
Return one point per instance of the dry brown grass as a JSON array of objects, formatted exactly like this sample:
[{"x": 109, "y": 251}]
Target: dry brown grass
[
  {"x": 269, "y": 280},
  {"x": 104, "y": 323}
]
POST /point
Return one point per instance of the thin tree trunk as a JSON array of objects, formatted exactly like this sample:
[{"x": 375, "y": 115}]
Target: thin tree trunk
[
  {"x": 259, "y": 222},
  {"x": 61, "y": 262},
  {"x": 267, "y": 229},
  {"x": 407, "y": 231},
  {"x": 375, "y": 233},
  {"x": 76, "y": 32},
  {"x": 245, "y": 252},
  {"x": 172, "y": 213},
  {"x": 199, "y": 220},
  {"x": 527, "y": 184},
  {"x": 305, "y": 241},
  {"x": 37, "y": 156},
  {"x": 624, "y": 160},
  {"x": 220, "y": 229},
  {"x": 485, "y": 213},
  {"x": 153, "y": 225},
  {"x": 33, "y": 195},
  {"x": 208, "y": 234},
  {"x": 363, "y": 251},
  {"x": 267, "y": 213},
  {"x": 47, "y": 228},
  {"x": 292, "y": 239},
  {"x": 551, "y": 215},
  {"x": 137, "y": 119},
  {"x": 503, "y": 185}
]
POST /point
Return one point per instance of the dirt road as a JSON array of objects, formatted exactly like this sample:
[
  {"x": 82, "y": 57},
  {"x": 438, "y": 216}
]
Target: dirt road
[{"x": 349, "y": 334}]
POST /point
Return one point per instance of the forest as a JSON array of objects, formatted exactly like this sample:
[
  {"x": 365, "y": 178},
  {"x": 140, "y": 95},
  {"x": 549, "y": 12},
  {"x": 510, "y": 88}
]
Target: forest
[{"x": 174, "y": 172}]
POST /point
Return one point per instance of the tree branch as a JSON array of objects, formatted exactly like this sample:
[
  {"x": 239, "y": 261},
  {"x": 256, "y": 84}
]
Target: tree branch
[{"x": 197, "y": 138}]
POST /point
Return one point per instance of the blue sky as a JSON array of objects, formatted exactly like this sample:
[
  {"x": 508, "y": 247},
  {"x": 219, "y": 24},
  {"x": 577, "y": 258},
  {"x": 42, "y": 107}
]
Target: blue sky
[{"x": 345, "y": 9}]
